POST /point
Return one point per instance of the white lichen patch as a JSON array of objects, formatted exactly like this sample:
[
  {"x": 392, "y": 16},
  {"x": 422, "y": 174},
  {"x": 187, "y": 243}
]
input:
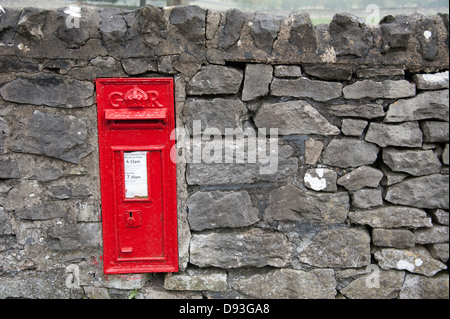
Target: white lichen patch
[
  {"x": 436, "y": 78},
  {"x": 418, "y": 262},
  {"x": 23, "y": 47},
  {"x": 317, "y": 183},
  {"x": 404, "y": 264},
  {"x": 329, "y": 56}
]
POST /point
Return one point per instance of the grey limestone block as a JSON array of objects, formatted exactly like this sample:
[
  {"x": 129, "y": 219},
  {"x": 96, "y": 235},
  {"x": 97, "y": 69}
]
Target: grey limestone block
[
  {"x": 55, "y": 91},
  {"x": 432, "y": 235},
  {"x": 429, "y": 191},
  {"x": 396, "y": 238},
  {"x": 9, "y": 169},
  {"x": 407, "y": 134},
  {"x": 421, "y": 287},
  {"x": 367, "y": 198},
  {"x": 215, "y": 79},
  {"x": 390, "y": 283},
  {"x": 294, "y": 117},
  {"x": 63, "y": 137},
  {"x": 363, "y": 176},
  {"x": 338, "y": 247},
  {"x": 288, "y": 283},
  {"x": 256, "y": 81},
  {"x": 217, "y": 209},
  {"x": 287, "y": 71},
  {"x": 352, "y": 127},
  {"x": 251, "y": 248},
  {"x": 387, "y": 89},
  {"x": 413, "y": 162},
  {"x": 425, "y": 105},
  {"x": 391, "y": 217},
  {"x": 288, "y": 203},
  {"x": 432, "y": 81},
  {"x": 303, "y": 87},
  {"x": 415, "y": 260},
  {"x": 364, "y": 111},
  {"x": 216, "y": 113},
  {"x": 435, "y": 132},
  {"x": 348, "y": 152}
]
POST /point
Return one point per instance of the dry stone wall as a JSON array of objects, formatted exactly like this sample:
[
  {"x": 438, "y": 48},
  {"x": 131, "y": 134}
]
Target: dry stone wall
[{"x": 350, "y": 199}]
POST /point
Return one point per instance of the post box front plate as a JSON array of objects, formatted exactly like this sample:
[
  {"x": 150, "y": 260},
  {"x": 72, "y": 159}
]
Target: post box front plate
[{"x": 137, "y": 176}]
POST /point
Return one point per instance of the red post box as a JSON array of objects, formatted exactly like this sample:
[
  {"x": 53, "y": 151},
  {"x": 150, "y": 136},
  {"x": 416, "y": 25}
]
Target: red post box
[{"x": 137, "y": 176}]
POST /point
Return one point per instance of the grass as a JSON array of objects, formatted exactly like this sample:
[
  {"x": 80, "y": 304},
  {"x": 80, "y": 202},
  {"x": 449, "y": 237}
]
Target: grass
[{"x": 317, "y": 21}]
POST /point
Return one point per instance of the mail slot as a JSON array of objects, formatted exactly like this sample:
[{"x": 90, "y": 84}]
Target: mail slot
[{"x": 137, "y": 176}]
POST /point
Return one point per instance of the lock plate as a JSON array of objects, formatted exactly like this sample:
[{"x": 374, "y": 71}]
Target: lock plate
[{"x": 133, "y": 218}]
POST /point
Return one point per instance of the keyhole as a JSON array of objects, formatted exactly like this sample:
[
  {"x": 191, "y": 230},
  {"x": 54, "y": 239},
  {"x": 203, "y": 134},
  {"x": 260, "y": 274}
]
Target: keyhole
[{"x": 130, "y": 218}]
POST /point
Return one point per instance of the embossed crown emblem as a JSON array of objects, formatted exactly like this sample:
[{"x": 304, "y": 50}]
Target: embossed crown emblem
[{"x": 135, "y": 97}]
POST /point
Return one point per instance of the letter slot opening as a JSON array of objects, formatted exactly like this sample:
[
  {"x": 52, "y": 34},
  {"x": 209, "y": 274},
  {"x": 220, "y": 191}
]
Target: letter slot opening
[{"x": 130, "y": 118}]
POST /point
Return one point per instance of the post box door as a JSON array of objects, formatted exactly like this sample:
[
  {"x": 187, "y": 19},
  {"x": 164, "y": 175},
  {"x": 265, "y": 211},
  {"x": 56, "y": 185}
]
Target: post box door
[{"x": 137, "y": 176}]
